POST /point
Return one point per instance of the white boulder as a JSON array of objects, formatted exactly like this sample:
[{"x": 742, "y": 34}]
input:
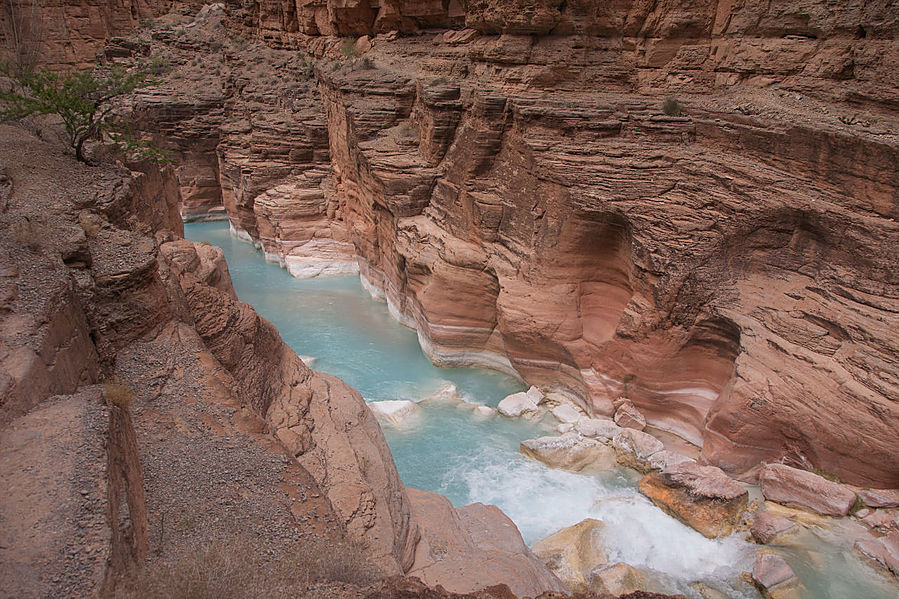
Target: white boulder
[{"x": 394, "y": 412}]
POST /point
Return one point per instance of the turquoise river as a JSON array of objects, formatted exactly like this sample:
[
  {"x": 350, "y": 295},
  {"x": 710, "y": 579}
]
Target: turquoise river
[{"x": 468, "y": 457}]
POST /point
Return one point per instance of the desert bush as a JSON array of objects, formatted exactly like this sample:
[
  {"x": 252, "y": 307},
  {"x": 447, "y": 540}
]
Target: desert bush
[
  {"x": 118, "y": 393},
  {"x": 348, "y": 47},
  {"x": 672, "y": 107},
  {"x": 237, "y": 567}
]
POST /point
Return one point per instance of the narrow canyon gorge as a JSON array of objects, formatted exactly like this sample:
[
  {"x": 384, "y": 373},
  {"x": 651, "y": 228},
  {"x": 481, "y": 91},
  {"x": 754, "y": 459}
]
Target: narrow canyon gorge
[{"x": 675, "y": 221}]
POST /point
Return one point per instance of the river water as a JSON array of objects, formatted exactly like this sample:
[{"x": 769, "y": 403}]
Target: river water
[{"x": 450, "y": 449}]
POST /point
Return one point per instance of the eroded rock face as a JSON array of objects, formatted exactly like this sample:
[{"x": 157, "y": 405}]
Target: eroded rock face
[
  {"x": 308, "y": 412},
  {"x": 635, "y": 449},
  {"x": 702, "y": 497},
  {"x": 884, "y": 550},
  {"x": 476, "y": 546},
  {"x": 805, "y": 490},
  {"x": 720, "y": 263}
]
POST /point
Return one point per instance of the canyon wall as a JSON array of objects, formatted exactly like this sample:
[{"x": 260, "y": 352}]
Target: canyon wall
[{"x": 516, "y": 193}]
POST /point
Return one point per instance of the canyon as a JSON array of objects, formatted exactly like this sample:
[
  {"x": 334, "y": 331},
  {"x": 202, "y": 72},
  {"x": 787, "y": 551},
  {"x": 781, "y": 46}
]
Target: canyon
[
  {"x": 728, "y": 270},
  {"x": 687, "y": 208}
]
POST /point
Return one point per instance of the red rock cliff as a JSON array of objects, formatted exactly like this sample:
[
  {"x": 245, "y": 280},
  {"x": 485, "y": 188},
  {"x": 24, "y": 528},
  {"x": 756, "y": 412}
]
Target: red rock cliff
[{"x": 517, "y": 193}]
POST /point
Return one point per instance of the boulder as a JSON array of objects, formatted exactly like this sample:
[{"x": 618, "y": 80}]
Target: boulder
[
  {"x": 573, "y": 552},
  {"x": 805, "y": 490},
  {"x": 469, "y": 548},
  {"x": 363, "y": 44},
  {"x": 484, "y": 411},
  {"x": 447, "y": 393},
  {"x": 519, "y": 404},
  {"x": 884, "y": 519},
  {"x": 394, "y": 412},
  {"x": 661, "y": 460},
  {"x": 628, "y": 416},
  {"x": 617, "y": 579},
  {"x": 603, "y": 429},
  {"x": 634, "y": 448},
  {"x": 774, "y": 577},
  {"x": 884, "y": 550},
  {"x": 564, "y": 428},
  {"x": 569, "y": 452},
  {"x": 702, "y": 497},
  {"x": 879, "y": 498},
  {"x": 767, "y": 527},
  {"x": 566, "y": 414}
]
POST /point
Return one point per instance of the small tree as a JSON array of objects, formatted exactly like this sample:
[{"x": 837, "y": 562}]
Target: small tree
[{"x": 86, "y": 103}]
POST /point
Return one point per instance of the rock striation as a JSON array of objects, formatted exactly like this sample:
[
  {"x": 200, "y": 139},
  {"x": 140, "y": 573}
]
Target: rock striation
[
  {"x": 805, "y": 490},
  {"x": 725, "y": 268}
]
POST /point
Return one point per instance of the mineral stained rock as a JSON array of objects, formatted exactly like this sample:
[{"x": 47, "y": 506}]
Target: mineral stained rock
[{"x": 702, "y": 497}]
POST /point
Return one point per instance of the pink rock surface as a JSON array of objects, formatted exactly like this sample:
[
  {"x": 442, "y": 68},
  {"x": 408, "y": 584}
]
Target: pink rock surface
[{"x": 805, "y": 490}]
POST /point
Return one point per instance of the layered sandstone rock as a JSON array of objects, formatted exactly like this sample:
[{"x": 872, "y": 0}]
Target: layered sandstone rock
[
  {"x": 307, "y": 411},
  {"x": 635, "y": 449},
  {"x": 884, "y": 550},
  {"x": 543, "y": 215},
  {"x": 767, "y": 527}
]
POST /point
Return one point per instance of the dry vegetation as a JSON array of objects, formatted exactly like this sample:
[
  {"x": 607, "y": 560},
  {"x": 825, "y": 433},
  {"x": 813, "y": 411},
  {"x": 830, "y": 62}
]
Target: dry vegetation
[
  {"x": 236, "y": 568},
  {"x": 118, "y": 394}
]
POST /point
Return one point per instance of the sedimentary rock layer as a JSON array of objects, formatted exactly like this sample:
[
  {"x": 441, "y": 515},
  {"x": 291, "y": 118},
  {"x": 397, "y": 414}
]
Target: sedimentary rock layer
[{"x": 725, "y": 265}]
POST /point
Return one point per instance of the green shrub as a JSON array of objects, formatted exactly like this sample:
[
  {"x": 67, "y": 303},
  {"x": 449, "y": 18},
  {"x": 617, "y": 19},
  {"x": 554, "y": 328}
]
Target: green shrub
[
  {"x": 348, "y": 47},
  {"x": 85, "y": 102}
]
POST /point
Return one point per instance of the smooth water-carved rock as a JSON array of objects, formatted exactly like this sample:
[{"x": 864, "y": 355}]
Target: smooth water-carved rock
[
  {"x": 573, "y": 552},
  {"x": 570, "y": 452},
  {"x": 805, "y": 490},
  {"x": 702, "y": 497},
  {"x": 617, "y": 579},
  {"x": 396, "y": 412},
  {"x": 634, "y": 449},
  {"x": 520, "y": 404},
  {"x": 767, "y": 527},
  {"x": 447, "y": 393},
  {"x": 566, "y": 414}
]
